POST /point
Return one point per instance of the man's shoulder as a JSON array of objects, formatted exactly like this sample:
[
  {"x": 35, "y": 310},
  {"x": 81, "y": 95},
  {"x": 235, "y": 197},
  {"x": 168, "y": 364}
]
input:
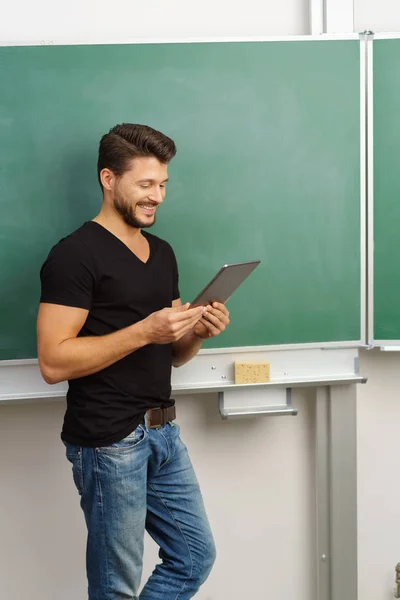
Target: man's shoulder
[
  {"x": 79, "y": 238},
  {"x": 74, "y": 245}
]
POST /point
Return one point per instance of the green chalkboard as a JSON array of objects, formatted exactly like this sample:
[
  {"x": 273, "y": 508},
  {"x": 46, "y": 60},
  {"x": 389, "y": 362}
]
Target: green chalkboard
[
  {"x": 386, "y": 223},
  {"x": 268, "y": 167}
]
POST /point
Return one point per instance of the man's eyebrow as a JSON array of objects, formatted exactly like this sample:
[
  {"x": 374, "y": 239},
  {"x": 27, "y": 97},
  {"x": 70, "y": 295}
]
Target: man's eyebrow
[{"x": 151, "y": 180}]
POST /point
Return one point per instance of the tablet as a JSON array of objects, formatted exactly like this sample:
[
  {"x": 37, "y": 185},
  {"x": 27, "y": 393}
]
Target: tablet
[{"x": 225, "y": 282}]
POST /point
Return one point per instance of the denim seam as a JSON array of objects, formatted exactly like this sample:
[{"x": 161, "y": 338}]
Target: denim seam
[
  {"x": 169, "y": 451},
  {"x": 183, "y": 536},
  {"x": 80, "y": 457},
  {"x": 101, "y": 505}
]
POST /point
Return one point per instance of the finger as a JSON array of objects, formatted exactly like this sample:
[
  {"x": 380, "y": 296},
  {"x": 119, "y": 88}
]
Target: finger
[
  {"x": 221, "y": 307},
  {"x": 218, "y": 308},
  {"x": 193, "y": 323},
  {"x": 181, "y": 327},
  {"x": 212, "y": 330},
  {"x": 179, "y": 309},
  {"x": 184, "y": 307},
  {"x": 216, "y": 317},
  {"x": 215, "y": 326},
  {"x": 189, "y": 314},
  {"x": 185, "y": 329}
]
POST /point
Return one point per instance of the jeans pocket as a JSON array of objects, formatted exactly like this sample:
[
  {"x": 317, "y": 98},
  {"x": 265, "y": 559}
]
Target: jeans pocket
[
  {"x": 74, "y": 455},
  {"x": 128, "y": 443}
]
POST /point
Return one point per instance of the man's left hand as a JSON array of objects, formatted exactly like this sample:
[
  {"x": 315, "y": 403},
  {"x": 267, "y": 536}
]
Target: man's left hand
[{"x": 213, "y": 322}]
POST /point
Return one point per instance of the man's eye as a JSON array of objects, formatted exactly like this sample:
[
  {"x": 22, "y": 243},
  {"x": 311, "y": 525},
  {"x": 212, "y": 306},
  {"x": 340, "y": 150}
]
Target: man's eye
[{"x": 145, "y": 185}]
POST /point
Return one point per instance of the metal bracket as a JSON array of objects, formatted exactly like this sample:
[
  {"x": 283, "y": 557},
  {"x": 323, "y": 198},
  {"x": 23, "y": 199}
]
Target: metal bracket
[{"x": 243, "y": 403}]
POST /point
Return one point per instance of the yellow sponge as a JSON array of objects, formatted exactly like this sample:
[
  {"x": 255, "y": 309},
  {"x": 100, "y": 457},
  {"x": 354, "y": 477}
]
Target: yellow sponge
[{"x": 250, "y": 372}]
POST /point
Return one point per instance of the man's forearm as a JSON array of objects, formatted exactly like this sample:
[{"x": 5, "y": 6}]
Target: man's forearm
[
  {"x": 186, "y": 348},
  {"x": 82, "y": 356}
]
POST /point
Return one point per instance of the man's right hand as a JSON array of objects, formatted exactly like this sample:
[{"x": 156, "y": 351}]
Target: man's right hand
[{"x": 170, "y": 324}]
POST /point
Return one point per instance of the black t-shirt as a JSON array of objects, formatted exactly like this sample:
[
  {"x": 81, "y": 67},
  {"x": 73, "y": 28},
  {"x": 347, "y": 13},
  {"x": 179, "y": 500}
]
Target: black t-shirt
[{"x": 94, "y": 270}]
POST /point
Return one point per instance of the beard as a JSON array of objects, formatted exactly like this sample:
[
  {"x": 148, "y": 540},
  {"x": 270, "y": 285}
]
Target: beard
[{"x": 129, "y": 216}]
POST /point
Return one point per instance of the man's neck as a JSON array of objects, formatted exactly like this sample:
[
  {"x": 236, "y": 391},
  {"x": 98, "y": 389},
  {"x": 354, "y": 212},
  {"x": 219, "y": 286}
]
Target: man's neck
[{"x": 117, "y": 226}]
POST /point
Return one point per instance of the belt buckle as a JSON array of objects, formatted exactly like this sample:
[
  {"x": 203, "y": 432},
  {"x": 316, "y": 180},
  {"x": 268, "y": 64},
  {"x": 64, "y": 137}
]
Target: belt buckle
[
  {"x": 150, "y": 423},
  {"x": 164, "y": 416}
]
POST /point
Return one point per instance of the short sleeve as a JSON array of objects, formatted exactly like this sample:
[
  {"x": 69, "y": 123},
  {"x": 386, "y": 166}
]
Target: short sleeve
[{"x": 67, "y": 276}]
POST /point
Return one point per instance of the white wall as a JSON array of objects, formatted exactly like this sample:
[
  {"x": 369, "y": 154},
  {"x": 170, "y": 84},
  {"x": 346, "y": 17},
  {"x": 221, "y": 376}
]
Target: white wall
[
  {"x": 377, "y": 15},
  {"x": 257, "y": 475},
  {"x": 378, "y": 449},
  {"x": 257, "y": 481},
  {"x": 88, "y": 20}
]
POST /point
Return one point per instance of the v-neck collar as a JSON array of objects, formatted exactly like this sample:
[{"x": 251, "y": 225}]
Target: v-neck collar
[{"x": 121, "y": 243}]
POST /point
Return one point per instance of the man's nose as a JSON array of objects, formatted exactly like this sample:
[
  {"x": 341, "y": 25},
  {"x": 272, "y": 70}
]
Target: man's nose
[{"x": 156, "y": 195}]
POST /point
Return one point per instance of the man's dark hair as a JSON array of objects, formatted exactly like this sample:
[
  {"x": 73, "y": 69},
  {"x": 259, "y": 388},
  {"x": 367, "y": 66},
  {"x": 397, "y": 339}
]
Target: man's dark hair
[{"x": 127, "y": 141}]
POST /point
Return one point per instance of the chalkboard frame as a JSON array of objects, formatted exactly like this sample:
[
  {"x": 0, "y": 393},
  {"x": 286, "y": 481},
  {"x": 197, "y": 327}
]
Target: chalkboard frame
[{"x": 373, "y": 340}]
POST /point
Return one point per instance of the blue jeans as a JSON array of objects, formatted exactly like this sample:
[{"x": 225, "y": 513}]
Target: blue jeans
[{"x": 145, "y": 481}]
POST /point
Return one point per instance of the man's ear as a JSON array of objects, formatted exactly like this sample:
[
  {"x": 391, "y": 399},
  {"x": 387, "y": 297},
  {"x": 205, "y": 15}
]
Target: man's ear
[{"x": 107, "y": 179}]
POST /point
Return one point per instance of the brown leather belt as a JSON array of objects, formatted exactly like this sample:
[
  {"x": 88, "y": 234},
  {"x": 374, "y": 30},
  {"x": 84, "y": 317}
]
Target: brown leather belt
[{"x": 160, "y": 416}]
